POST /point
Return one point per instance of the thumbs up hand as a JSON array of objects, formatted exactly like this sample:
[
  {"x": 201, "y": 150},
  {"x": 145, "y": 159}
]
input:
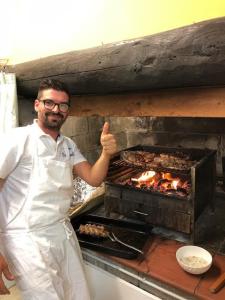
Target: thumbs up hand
[{"x": 108, "y": 141}]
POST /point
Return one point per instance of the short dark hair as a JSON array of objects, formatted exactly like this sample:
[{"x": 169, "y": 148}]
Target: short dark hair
[{"x": 54, "y": 84}]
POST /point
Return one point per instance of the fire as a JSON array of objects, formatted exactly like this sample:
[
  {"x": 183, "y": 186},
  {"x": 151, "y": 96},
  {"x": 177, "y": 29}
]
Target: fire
[
  {"x": 162, "y": 182},
  {"x": 146, "y": 176}
]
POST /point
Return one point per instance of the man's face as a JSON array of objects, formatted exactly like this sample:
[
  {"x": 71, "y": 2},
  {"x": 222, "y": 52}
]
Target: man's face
[{"x": 51, "y": 118}]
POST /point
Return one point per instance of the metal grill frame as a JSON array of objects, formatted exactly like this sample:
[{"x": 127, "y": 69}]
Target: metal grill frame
[{"x": 158, "y": 209}]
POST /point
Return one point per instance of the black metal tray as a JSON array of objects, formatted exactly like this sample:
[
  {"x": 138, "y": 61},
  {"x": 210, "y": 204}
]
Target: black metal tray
[{"x": 136, "y": 237}]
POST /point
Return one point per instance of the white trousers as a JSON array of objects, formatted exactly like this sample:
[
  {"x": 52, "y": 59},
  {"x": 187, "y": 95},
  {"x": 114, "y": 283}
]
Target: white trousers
[{"x": 47, "y": 264}]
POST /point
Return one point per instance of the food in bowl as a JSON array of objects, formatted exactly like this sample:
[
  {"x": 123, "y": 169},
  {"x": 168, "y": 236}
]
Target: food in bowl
[{"x": 194, "y": 259}]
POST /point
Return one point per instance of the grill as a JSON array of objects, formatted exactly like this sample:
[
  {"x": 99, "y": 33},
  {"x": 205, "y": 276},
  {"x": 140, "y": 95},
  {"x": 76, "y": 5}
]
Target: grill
[{"x": 170, "y": 191}]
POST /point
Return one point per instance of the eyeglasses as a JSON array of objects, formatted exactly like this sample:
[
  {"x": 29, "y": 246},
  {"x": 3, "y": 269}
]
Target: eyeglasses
[{"x": 50, "y": 104}]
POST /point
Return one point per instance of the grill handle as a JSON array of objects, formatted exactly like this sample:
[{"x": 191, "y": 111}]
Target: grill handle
[{"x": 140, "y": 213}]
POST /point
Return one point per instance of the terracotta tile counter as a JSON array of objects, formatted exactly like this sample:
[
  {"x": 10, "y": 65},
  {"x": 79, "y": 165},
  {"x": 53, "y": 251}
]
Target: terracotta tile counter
[{"x": 159, "y": 273}]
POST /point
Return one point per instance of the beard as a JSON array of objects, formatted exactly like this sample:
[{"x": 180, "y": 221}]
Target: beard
[{"x": 53, "y": 121}]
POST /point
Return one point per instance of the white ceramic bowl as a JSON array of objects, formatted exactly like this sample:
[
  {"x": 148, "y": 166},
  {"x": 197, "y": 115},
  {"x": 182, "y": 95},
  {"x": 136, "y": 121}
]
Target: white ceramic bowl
[{"x": 194, "y": 259}]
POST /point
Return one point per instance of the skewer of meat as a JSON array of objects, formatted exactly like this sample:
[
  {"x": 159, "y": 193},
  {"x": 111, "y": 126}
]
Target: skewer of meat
[{"x": 93, "y": 230}]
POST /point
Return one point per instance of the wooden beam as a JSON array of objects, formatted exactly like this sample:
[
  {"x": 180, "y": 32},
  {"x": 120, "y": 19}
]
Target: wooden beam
[
  {"x": 193, "y": 55},
  {"x": 189, "y": 102}
]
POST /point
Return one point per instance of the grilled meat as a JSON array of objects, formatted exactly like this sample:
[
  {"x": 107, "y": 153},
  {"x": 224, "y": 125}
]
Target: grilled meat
[
  {"x": 93, "y": 230},
  {"x": 178, "y": 161}
]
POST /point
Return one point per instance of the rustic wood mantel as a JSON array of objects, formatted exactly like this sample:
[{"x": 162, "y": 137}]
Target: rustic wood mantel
[{"x": 182, "y": 102}]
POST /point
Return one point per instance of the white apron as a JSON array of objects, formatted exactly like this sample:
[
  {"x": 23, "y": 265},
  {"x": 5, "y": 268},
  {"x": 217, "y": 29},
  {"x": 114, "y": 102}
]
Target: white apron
[{"x": 43, "y": 252}]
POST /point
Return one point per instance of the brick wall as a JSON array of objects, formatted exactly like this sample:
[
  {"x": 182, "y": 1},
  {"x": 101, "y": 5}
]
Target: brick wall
[
  {"x": 173, "y": 132},
  {"x": 85, "y": 132}
]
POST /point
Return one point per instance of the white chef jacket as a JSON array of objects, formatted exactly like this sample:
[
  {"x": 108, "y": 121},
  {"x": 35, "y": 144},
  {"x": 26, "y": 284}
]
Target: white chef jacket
[{"x": 15, "y": 165}]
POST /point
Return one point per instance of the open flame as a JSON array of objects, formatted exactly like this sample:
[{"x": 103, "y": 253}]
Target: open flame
[
  {"x": 146, "y": 176},
  {"x": 161, "y": 182}
]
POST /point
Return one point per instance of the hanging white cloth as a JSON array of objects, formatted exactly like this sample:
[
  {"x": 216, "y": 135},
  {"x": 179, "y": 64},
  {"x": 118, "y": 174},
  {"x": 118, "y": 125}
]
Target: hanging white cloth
[{"x": 8, "y": 102}]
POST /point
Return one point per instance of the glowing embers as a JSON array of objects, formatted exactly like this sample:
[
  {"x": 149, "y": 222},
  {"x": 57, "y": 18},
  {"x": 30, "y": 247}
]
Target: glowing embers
[{"x": 162, "y": 182}]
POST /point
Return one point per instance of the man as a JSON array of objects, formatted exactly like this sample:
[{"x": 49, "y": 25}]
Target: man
[{"x": 37, "y": 241}]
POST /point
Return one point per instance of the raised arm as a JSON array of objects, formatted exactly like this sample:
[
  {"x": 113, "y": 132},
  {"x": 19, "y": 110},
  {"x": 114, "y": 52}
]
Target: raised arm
[{"x": 94, "y": 175}]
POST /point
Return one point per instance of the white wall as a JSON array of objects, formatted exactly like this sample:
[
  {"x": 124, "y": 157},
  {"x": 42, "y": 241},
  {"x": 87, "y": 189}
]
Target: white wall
[{"x": 31, "y": 29}]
